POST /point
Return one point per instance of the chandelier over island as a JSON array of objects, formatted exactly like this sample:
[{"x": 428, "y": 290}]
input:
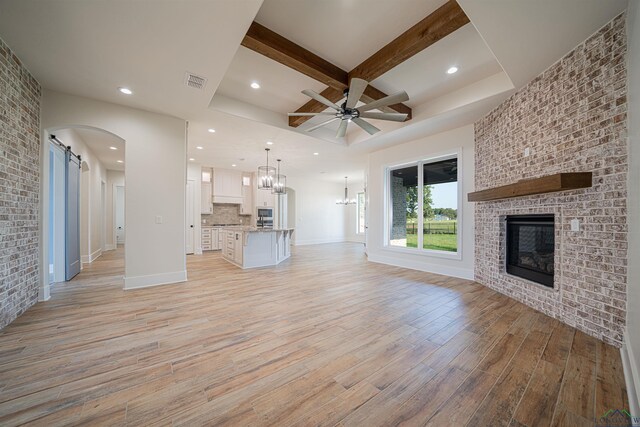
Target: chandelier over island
[
  {"x": 280, "y": 182},
  {"x": 266, "y": 175}
]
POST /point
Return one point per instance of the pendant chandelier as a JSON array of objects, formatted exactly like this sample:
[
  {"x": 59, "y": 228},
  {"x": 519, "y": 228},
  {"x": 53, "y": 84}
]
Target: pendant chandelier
[
  {"x": 346, "y": 200},
  {"x": 280, "y": 182},
  {"x": 266, "y": 175}
]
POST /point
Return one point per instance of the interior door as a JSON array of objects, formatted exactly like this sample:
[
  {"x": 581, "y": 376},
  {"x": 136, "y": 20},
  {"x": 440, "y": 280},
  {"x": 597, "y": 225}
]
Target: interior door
[
  {"x": 190, "y": 237},
  {"x": 120, "y": 230},
  {"x": 72, "y": 215}
]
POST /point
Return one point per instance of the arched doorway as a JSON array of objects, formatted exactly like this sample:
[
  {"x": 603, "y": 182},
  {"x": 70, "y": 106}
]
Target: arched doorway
[{"x": 102, "y": 169}]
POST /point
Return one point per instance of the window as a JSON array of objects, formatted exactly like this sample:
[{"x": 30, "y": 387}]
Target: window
[
  {"x": 423, "y": 205},
  {"x": 361, "y": 214}
]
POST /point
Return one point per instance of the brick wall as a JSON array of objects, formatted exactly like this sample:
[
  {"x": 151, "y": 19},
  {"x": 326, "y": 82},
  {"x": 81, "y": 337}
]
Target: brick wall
[
  {"x": 19, "y": 186},
  {"x": 573, "y": 118}
]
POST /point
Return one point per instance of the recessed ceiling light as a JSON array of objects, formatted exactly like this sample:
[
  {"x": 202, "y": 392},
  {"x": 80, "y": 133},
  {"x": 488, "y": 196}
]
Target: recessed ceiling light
[
  {"x": 192, "y": 159},
  {"x": 269, "y": 143},
  {"x": 452, "y": 70},
  {"x": 199, "y": 147},
  {"x": 212, "y": 130},
  {"x": 255, "y": 85},
  {"x": 125, "y": 90},
  {"x": 120, "y": 161},
  {"x": 315, "y": 154},
  {"x": 234, "y": 165},
  {"x": 112, "y": 148}
]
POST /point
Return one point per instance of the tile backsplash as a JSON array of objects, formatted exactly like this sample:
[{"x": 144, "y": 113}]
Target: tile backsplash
[{"x": 226, "y": 214}]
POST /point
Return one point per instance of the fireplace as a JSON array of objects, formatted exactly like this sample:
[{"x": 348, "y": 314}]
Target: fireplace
[{"x": 530, "y": 247}]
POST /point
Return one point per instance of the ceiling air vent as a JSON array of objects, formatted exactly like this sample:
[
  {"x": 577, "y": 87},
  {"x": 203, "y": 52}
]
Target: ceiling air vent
[{"x": 194, "y": 81}]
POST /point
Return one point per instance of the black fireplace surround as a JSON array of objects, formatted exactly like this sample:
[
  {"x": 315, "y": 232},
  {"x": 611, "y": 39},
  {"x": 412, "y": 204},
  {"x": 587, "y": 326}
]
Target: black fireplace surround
[{"x": 530, "y": 247}]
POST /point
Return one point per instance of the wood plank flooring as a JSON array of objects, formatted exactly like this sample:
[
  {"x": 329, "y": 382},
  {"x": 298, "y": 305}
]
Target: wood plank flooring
[{"x": 323, "y": 339}]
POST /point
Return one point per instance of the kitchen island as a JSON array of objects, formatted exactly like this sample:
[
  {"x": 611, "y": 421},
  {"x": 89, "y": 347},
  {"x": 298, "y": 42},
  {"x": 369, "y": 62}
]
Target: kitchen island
[{"x": 250, "y": 247}]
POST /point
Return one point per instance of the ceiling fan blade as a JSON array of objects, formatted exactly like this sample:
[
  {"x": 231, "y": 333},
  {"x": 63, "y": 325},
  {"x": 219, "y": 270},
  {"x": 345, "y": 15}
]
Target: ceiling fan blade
[
  {"x": 394, "y": 117},
  {"x": 356, "y": 89},
  {"x": 322, "y": 124},
  {"x": 371, "y": 129},
  {"x": 387, "y": 100},
  {"x": 323, "y": 113},
  {"x": 342, "y": 129},
  {"x": 321, "y": 99}
]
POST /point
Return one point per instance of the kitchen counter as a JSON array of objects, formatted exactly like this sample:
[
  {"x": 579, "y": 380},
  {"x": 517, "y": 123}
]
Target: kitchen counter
[{"x": 250, "y": 247}]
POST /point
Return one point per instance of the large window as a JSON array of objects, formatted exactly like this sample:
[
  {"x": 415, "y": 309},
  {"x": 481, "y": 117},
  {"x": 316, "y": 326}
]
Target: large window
[
  {"x": 361, "y": 213},
  {"x": 423, "y": 205}
]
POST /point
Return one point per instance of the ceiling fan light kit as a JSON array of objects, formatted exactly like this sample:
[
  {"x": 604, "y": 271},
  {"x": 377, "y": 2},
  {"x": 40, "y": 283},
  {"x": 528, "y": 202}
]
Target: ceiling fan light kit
[{"x": 348, "y": 112}]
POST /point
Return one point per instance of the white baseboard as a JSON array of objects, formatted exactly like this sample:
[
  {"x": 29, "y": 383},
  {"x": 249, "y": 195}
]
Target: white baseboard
[
  {"x": 138, "y": 282},
  {"x": 631, "y": 374},
  {"x": 109, "y": 247},
  {"x": 318, "y": 241},
  {"x": 462, "y": 273},
  {"x": 88, "y": 259}
]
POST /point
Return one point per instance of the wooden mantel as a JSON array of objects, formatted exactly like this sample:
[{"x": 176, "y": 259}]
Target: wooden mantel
[{"x": 528, "y": 187}]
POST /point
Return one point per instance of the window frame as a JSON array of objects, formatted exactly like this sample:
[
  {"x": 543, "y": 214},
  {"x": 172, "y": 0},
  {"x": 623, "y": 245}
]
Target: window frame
[{"x": 420, "y": 250}]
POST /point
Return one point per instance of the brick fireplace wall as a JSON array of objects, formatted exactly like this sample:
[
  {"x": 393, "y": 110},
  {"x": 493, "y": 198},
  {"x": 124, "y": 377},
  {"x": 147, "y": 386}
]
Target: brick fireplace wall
[
  {"x": 572, "y": 118},
  {"x": 19, "y": 186}
]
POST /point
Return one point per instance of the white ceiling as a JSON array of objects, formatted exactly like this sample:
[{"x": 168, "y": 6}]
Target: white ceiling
[
  {"x": 99, "y": 142},
  {"x": 89, "y": 48}
]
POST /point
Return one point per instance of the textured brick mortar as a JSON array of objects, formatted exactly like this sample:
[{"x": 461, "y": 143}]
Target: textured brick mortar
[
  {"x": 573, "y": 117},
  {"x": 19, "y": 187}
]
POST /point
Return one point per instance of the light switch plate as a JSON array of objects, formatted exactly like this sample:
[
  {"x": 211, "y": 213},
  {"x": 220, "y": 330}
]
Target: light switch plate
[
  {"x": 527, "y": 151},
  {"x": 158, "y": 219}
]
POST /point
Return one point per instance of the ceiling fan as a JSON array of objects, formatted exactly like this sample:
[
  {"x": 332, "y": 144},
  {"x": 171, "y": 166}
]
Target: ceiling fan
[{"x": 347, "y": 112}]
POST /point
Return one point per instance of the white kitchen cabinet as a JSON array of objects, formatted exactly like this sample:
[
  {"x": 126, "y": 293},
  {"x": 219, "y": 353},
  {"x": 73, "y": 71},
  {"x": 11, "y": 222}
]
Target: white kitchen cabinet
[
  {"x": 205, "y": 199},
  {"x": 227, "y": 186},
  {"x": 264, "y": 198},
  {"x": 209, "y": 239},
  {"x": 246, "y": 208}
]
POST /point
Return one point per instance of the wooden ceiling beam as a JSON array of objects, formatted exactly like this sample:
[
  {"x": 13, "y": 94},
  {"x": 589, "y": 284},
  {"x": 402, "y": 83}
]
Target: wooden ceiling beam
[
  {"x": 272, "y": 45},
  {"x": 444, "y": 21},
  {"x": 262, "y": 40}
]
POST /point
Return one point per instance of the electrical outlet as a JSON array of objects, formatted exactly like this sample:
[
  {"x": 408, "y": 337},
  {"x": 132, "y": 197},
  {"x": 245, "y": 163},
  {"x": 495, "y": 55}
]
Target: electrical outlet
[{"x": 158, "y": 219}]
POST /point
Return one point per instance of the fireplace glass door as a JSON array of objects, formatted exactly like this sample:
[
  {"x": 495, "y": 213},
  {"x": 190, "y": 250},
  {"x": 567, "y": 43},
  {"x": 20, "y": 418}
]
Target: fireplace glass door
[{"x": 530, "y": 247}]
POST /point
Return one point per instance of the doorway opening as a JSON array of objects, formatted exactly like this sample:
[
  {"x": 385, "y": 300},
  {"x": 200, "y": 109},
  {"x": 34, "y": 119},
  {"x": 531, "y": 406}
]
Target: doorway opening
[{"x": 84, "y": 182}]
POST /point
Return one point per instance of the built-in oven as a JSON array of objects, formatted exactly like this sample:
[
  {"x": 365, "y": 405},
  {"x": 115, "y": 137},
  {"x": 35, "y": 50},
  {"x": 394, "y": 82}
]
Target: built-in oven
[{"x": 265, "y": 217}]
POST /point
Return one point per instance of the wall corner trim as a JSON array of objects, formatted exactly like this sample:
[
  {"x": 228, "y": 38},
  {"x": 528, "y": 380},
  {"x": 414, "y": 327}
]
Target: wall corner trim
[
  {"x": 137, "y": 282},
  {"x": 631, "y": 374}
]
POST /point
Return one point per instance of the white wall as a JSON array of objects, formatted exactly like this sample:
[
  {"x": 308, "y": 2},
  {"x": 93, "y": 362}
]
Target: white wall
[
  {"x": 155, "y": 151},
  {"x": 114, "y": 178},
  {"x": 351, "y": 214},
  {"x": 91, "y": 207},
  {"x": 632, "y": 336},
  {"x": 317, "y": 217},
  {"x": 441, "y": 144}
]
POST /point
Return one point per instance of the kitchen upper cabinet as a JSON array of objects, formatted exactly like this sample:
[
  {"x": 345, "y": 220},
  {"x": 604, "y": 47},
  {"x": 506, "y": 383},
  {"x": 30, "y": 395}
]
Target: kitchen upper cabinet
[
  {"x": 264, "y": 198},
  {"x": 246, "y": 208},
  {"x": 227, "y": 186},
  {"x": 205, "y": 199}
]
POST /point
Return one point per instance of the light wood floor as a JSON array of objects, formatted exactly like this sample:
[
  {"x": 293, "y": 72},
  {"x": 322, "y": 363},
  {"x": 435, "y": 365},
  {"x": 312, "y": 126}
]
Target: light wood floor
[{"x": 323, "y": 339}]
